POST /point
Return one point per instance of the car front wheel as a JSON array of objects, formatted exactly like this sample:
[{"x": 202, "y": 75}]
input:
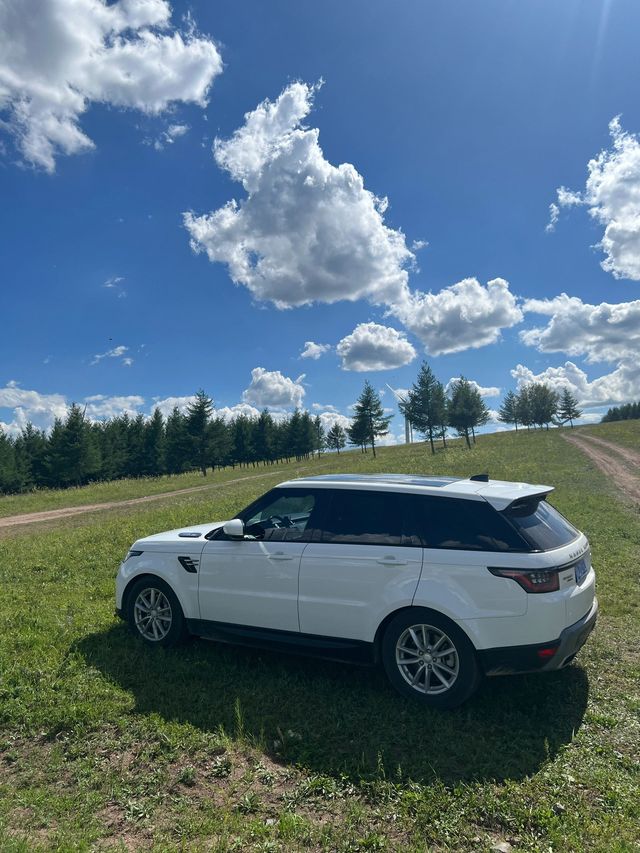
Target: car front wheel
[
  {"x": 427, "y": 657},
  {"x": 154, "y": 612}
]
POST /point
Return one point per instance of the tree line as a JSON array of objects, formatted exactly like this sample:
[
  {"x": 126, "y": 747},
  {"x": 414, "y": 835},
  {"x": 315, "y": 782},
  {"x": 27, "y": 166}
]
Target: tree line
[
  {"x": 538, "y": 405},
  {"x": 78, "y": 451},
  {"x": 628, "y": 412}
]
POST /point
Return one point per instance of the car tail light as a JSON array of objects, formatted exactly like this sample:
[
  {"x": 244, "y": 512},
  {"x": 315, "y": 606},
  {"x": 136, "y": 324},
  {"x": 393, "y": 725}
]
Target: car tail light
[
  {"x": 547, "y": 652},
  {"x": 536, "y": 580}
]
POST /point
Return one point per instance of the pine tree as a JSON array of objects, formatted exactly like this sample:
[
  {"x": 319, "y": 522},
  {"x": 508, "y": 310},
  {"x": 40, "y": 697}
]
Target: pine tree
[
  {"x": 319, "y": 438},
  {"x": 369, "y": 420},
  {"x": 508, "y": 412},
  {"x": 154, "y": 445},
  {"x": 264, "y": 437},
  {"x": 198, "y": 416},
  {"x": 466, "y": 409},
  {"x": 336, "y": 438},
  {"x": 544, "y": 404},
  {"x": 568, "y": 407},
  {"x": 425, "y": 406},
  {"x": 9, "y": 480},
  {"x": 178, "y": 443},
  {"x": 523, "y": 407},
  {"x": 220, "y": 442}
]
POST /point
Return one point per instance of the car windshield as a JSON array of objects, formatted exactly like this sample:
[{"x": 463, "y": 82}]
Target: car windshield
[{"x": 541, "y": 525}]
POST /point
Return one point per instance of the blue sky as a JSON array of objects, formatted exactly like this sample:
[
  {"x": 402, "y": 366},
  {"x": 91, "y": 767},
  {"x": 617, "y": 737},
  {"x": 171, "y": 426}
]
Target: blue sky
[{"x": 467, "y": 117}]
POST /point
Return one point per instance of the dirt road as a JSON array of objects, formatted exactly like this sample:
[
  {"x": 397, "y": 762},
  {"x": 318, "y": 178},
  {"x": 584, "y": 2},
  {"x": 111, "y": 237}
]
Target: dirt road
[
  {"x": 66, "y": 512},
  {"x": 621, "y": 464}
]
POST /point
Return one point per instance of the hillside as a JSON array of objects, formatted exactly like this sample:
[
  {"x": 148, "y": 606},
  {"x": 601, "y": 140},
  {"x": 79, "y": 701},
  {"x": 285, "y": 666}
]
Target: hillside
[{"x": 211, "y": 747}]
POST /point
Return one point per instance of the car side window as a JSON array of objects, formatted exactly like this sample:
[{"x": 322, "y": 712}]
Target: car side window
[
  {"x": 465, "y": 525},
  {"x": 365, "y": 517},
  {"x": 282, "y": 516}
]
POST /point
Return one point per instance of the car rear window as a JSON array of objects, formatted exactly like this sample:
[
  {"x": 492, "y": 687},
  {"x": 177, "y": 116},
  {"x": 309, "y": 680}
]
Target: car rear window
[
  {"x": 463, "y": 525},
  {"x": 540, "y": 524}
]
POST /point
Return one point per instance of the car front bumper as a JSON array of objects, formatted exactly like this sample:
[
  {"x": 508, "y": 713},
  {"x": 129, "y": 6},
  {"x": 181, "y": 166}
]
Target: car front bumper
[{"x": 513, "y": 659}]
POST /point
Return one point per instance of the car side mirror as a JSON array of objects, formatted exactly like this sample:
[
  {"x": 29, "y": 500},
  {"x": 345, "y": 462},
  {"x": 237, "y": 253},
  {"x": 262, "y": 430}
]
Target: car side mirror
[{"x": 234, "y": 528}]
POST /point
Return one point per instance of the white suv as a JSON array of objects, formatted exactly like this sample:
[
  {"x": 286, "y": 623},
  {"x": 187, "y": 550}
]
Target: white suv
[{"x": 442, "y": 580}]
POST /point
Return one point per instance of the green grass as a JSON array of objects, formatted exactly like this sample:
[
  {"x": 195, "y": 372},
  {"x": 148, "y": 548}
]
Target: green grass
[
  {"x": 626, "y": 433},
  {"x": 117, "y": 490},
  {"x": 105, "y": 742}
]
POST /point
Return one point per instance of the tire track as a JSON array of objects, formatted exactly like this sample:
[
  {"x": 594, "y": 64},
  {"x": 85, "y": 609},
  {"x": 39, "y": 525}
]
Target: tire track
[
  {"x": 66, "y": 512},
  {"x": 615, "y": 467}
]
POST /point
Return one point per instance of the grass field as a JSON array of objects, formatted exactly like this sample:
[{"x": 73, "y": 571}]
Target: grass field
[
  {"x": 626, "y": 433},
  {"x": 106, "y": 744},
  {"x": 117, "y": 490}
]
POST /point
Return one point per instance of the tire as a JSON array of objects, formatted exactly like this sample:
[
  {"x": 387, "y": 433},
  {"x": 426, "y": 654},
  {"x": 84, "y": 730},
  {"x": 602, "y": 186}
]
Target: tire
[
  {"x": 154, "y": 613},
  {"x": 445, "y": 680}
]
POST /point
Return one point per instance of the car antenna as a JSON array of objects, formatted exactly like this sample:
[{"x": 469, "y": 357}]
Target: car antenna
[{"x": 480, "y": 478}]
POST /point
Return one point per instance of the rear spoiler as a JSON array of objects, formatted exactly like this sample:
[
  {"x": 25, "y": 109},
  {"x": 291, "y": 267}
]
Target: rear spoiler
[{"x": 527, "y": 500}]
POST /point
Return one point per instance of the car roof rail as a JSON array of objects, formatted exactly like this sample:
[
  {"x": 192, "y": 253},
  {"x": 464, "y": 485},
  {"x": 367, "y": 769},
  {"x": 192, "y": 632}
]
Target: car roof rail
[{"x": 480, "y": 478}]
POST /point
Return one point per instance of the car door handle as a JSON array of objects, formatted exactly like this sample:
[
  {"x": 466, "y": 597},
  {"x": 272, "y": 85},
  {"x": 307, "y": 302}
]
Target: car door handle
[
  {"x": 391, "y": 561},
  {"x": 280, "y": 555}
]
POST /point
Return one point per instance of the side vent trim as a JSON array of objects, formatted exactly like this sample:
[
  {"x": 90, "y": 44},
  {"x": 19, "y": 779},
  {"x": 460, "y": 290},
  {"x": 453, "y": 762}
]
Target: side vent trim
[{"x": 189, "y": 564}]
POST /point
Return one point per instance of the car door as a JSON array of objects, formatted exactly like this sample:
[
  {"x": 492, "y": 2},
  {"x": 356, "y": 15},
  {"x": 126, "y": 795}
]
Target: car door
[
  {"x": 254, "y": 581},
  {"x": 360, "y": 566}
]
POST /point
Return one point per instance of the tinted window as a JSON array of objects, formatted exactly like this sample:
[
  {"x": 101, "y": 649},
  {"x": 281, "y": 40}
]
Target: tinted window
[
  {"x": 281, "y": 515},
  {"x": 463, "y": 524},
  {"x": 540, "y": 524},
  {"x": 363, "y": 517}
]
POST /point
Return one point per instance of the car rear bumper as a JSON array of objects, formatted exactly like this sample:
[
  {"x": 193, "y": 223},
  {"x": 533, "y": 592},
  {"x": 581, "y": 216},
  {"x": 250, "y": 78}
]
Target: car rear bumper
[{"x": 541, "y": 657}]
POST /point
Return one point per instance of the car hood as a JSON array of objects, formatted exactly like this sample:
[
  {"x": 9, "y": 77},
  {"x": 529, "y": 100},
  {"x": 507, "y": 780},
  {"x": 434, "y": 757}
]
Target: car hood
[{"x": 187, "y": 540}]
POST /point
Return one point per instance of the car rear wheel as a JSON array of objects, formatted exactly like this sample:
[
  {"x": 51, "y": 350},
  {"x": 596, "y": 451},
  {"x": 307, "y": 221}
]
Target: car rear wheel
[
  {"x": 154, "y": 613},
  {"x": 427, "y": 657}
]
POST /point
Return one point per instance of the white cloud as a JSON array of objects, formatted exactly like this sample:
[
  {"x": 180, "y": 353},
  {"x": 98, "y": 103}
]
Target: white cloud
[
  {"x": 270, "y": 389},
  {"x": 27, "y": 405},
  {"x": 115, "y": 352},
  {"x": 229, "y": 413},
  {"x": 313, "y": 350},
  {"x": 619, "y": 386},
  {"x": 60, "y": 56},
  {"x": 115, "y": 284},
  {"x": 307, "y": 230},
  {"x": 100, "y": 406},
  {"x": 320, "y": 407},
  {"x": 484, "y": 391},
  {"x": 554, "y": 214},
  {"x": 462, "y": 316},
  {"x": 42, "y": 409},
  {"x": 169, "y": 136},
  {"x": 329, "y": 419},
  {"x": 605, "y": 332},
  {"x": 612, "y": 195},
  {"x": 168, "y": 404},
  {"x": 374, "y": 347}
]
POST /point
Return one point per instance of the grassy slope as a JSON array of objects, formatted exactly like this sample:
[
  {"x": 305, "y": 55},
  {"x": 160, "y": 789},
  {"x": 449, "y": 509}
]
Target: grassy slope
[
  {"x": 117, "y": 490},
  {"x": 626, "y": 433},
  {"x": 220, "y": 748}
]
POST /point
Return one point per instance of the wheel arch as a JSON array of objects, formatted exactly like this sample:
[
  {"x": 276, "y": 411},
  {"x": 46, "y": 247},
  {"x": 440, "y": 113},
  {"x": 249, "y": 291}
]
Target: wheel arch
[
  {"x": 142, "y": 576},
  {"x": 382, "y": 627}
]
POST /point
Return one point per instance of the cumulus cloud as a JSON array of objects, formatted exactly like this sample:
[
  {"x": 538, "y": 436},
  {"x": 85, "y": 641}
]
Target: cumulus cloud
[
  {"x": 604, "y": 332},
  {"x": 484, "y": 391},
  {"x": 330, "y": 418},
  {"x": 313, "y": 350},
  {"x": 116, "y": 352},
  {"x": 58, "y": 57},
  {"x": 306, "y": 230},
  {"x": 619, "y": 386},
  {"x": 270, "y": 389},
  {"x": 374, "y": 347},
  {"x": 612, "y": 196},
  {"x": 99, "y": 406},
  {"x": 42, "y": 409},
  {"x": 463, "y": 316},
  {"x": 168, "y": 404},
  {"x": 230, "y": 413}
]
